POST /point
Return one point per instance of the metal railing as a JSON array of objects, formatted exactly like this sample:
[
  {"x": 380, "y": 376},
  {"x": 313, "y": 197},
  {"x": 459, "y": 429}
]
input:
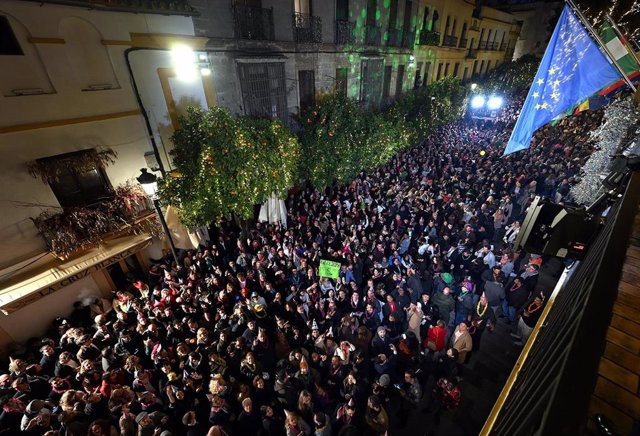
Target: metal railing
[
  {"x": 482, "y": 45},
  {"x": 493, "y": 45},
  {"x": 471, "y": 54},
  {"x": 253, "y": 23},
  {"x": 345, "y": 32},
  {"x": 503, "y": 46},
  {"x": 463, "y": 43},
  {"x": 307, "y": 28},
  {"x": 409, "y": 38},
  {"x": 549, "y": 389},
  {"x": 372, "y": 35},
  {"x": 429, "y": 38},
  {"x": 450, "y": 41},
  {"x": 395, "y": 38}
]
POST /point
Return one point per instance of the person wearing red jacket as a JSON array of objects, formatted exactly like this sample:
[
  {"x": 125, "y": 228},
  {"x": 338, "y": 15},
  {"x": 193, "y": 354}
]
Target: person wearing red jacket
[{"x": 435, "y": 340}]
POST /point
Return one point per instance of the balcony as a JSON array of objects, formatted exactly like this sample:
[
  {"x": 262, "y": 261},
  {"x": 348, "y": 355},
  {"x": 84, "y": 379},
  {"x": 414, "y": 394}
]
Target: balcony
[
  {"x": 372, "y": 35},
  {"x": 253, "y": 23},
  {"x": 307, "y": 28},
  {"x": 450, "y": 41},
  {"x": 565, "y": 376},
  {"x": 482, "y": 45},
  {"x": 395, "y": 38},
  {"x": 409, "y": 38},
  {"x": 345, "y": 32},
  {"x": 463, "y": 43},
  {"x": 471, "y": 54},
  {"x": 429, "y": 38},
  {"x": 493, "y": 46},
  {"x": 78, "y": 228},
  {"x": 503, "y": 46}
]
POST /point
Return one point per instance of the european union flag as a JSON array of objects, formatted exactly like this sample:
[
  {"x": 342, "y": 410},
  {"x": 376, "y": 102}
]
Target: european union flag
[{"x": 572, "y": 69}]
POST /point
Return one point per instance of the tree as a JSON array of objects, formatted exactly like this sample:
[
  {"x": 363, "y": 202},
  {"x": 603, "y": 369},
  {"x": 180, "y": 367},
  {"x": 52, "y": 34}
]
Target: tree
[{"x": 226, "y": 166}]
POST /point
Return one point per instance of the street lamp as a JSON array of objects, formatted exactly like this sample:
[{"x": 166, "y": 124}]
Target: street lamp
[{"x": 149, "y": 183}]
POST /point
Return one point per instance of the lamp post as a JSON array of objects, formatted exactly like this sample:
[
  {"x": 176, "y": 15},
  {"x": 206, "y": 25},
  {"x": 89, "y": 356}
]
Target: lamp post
[{"x": 149, "y": 183}]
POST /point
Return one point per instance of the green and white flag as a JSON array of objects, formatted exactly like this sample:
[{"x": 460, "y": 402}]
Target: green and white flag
[{"x": 618, "y": 49}]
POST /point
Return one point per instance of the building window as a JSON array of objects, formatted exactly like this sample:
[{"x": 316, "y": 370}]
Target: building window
[
  {"x": 371, "y": 82},
  {"x": 341, "y": 81},
  {"x": 446, "y": 69},
  {"x": 8, "y": 42},
  {"x": 307, "y": 88},
  {"x": 264, "y": 93},
  {"x": 465, "y": 73},
  {"x": 386, "y": 87},
  {"x": 456, "y": 67},
  {"x": 425, "y": 79},
  {"x": 439, "y": 71},
  {"x": 399, "y": 80},
  {"x": 78, "y": 185},
  {"x": 418, "y": 79}
]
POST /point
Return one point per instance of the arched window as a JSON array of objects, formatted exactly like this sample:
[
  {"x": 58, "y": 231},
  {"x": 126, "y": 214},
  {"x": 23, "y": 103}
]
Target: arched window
[
  {"x": 23, "y": 72},
  {"x": 88, "y": 57}
]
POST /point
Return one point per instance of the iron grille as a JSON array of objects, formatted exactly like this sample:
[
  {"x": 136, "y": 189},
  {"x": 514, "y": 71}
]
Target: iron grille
[
  {"x": 345, "y": 32},
  {"x": 373, "y": 34},
  {"x": 307, "y": 28},
  {"x": 263, "y": 87},
  {"x": 253, "y": 23},
  {"x": 409, "y": 38},
  {"x": 429, "y": 38},
  {"x": 371, "y": 82},
  {"x": 395, "y": 38},
  {"x": 450, "y": 41}
]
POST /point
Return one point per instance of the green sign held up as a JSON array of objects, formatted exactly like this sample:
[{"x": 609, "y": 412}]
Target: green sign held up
[{"x": 329, "y": 269}]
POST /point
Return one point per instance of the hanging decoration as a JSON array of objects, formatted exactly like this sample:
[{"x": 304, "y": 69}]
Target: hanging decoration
[
  {"x": 619, "y": 117},
  {"x": 50, "y": 170}
]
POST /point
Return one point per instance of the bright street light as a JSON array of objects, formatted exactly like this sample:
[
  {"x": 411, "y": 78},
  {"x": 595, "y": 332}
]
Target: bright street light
[
  {"x": 477, "y": 102},
  {"x": 474, "y": 86},
  {"x": 495, "y": 102},
  {"x": 184, "y": 61}
]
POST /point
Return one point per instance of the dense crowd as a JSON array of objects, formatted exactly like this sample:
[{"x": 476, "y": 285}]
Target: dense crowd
[{"x": 243, "y": 337}]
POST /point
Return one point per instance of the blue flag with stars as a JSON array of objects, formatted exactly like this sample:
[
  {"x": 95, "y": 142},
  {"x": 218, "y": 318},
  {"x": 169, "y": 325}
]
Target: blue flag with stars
[{"x": 572, "y": 69}]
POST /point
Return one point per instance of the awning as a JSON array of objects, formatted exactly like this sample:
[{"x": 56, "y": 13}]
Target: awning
[{"x": 30, "y": 286}]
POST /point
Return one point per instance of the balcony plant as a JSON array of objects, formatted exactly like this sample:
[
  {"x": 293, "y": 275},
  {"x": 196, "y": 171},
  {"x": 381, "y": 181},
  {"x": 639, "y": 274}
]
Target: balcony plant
[{"x": 78, "y": 228}]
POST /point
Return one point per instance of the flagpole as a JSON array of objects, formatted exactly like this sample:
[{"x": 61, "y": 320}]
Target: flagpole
[
  {"x": 595, "y": 35},
  {"x": 622, "y": 38}
]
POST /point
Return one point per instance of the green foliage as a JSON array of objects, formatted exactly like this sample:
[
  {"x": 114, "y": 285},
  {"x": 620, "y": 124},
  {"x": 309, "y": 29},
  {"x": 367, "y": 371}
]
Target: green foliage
[
  {"x": 340, "y": 138},
  {"x": 512, "y": 77},
  {"x": 226, "y": 165}
]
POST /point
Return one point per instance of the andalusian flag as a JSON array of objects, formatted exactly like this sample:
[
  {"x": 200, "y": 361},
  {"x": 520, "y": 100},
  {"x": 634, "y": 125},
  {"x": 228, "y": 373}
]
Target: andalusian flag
[{"x": 618, "y": 49}]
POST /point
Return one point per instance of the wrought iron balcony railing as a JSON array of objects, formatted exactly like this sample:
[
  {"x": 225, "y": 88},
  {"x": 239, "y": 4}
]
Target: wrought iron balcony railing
[
  {"x": 409, "y": 38},
  {"x": 372, "y": 36},
  {"x": 395, "y": 38},
  {"x": 253, "y": 23},
  {"x": 482, "y": 45},
  {"x": 345, "y": 32},
  {"x": 493, "y": 45},
  {"x": 463, "y": 43},
  {"x": 307, "y": 28},
  {"x": 450, "y": 41},
  {"x": 429, "y": 38}
]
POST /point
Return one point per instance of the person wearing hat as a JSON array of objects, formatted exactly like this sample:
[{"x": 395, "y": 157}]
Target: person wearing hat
[
  {"x": 145, "y": 424},
  {"x": 464, "y": 303},
  {"x": 346, "y": 416}
]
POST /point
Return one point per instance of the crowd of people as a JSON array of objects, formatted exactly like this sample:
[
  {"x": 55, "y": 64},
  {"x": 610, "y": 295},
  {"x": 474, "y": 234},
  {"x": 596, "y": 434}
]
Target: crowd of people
[{"x": 243, "y": 337}]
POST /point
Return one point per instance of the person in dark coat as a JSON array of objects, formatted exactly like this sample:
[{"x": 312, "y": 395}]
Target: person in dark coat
[{"x": 516, "y": 296}]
